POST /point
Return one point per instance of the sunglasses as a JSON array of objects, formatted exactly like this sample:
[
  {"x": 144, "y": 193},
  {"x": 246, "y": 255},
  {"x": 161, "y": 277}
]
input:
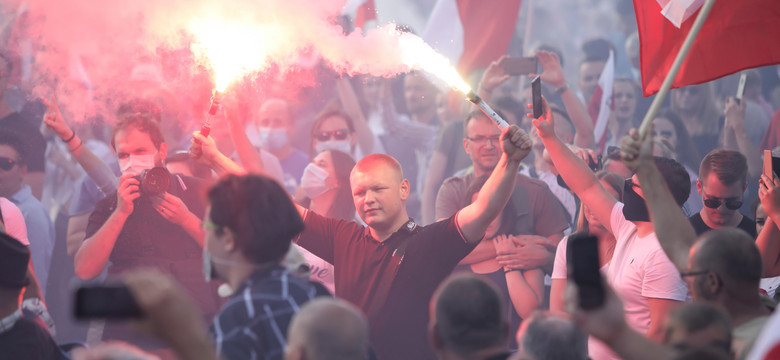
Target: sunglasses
[
  {"x": 731, "y": 204},
  {"x": 336, "y": 134},
  {"x": 7, "y": 163}
]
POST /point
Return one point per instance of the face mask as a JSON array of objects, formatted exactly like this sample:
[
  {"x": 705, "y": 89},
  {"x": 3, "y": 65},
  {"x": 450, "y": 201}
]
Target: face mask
[
  {"x": 135, "y": 164},
  {"x": 634, "y": 206},
  {"x": 272, "y": 139},
  {"x": 313, "y": 181},
  {"x": 340, "y": 145}
]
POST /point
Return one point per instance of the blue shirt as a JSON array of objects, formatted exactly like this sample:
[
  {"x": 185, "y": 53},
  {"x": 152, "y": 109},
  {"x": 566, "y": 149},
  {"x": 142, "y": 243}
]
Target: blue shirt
[
  {"x": 293, "y": 166},
  {"x": 40, "y": 232},
  {"x": 253, "y": 323}
]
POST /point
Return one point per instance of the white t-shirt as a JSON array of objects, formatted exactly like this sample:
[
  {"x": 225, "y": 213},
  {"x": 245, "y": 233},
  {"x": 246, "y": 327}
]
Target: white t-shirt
[
  {"x": 14, "y": 221},
  {"x": 640, "y": 270},
  {"x": 770, "y": 285}
]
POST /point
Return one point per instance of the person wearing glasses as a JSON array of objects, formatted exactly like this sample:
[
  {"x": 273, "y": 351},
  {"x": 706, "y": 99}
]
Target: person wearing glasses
[
  {"x": 722, "y": 183},
  {"x": 334, "y": 130}
]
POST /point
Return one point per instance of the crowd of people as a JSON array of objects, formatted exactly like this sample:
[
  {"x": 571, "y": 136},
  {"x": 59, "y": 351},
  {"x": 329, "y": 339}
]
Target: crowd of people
[{"x": 380, "y": 218}]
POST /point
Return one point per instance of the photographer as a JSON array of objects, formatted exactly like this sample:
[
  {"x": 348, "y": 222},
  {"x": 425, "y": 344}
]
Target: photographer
[{"x": 151, "y": 221}]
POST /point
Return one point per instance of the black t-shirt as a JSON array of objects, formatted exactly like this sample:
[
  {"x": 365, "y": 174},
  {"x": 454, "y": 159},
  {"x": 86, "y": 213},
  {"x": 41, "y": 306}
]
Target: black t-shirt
[
  {"x": 28, "y": 340},
  {"x": 398, "y": 328},
  {"x": 33, "y": 139},
  {"x": 747, "y": 224},
  {"x": 149, "y": 240}
]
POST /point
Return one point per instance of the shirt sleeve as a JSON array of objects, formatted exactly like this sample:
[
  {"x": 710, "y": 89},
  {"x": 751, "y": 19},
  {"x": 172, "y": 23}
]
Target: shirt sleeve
[
  {"x": 549, "y": 214},
  {"x": 559, "y": 266},
  {"x": 99, "y": 216},
  {"x": 620, "y": 226},
  {"x": 321, "y": 235},
  {"x": 661, "y": 279},
  {"x": 449, "y": 200},
  {"x": 444, "y": 242}
]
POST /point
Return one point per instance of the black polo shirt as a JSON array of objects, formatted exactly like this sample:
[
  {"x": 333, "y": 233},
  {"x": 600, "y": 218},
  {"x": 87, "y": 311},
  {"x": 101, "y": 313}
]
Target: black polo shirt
[
  {"x": 747, "y": 224},
  {"x": 399, "y": 326}
]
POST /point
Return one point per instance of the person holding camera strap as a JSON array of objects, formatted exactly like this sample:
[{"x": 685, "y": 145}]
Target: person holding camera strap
[{"x": 153, "y": 220}]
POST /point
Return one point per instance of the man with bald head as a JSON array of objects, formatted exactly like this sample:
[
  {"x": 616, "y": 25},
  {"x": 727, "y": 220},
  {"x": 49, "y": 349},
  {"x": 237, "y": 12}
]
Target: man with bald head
[
  {"x": 275, "y": 125},
  {"x": 390, "y": 267},
  {"x": 328, "y": 329}
]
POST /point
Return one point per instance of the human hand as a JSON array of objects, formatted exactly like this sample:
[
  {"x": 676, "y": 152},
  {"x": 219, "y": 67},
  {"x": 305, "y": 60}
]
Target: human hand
[
  {"x": 516, "y": 143},
  {"x": 494, "y": 75},
  {"x": 169, "y": 313},
  {"x": 527, "y": 253},
  {"x": 503, "y": 243},
  {"x": 636, "y": 152},
  {"x": 587, "y": 155},
  {"x": 171, "y": 208},
  {"x": 54, "y": 120},
  {"x": 126, "y": 192},
  {"x": 545, "y": 127},
  {"x": 735, "y": 113},
  {"x": 769, "y": 194},
  {"x": 112, "y": 350},
  {"x": 203, "y": 148},
  {"x": 605, "y": 323},
  {"x": 552, "y": 74}
]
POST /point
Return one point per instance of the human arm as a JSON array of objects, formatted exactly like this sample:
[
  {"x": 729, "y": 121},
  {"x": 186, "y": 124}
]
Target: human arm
[
  {"x": 526, "y": 287},
  {"x": 170, "y": 314},
  {"x": 431, "y": 186},
  {"x": 249, "y": 156},
  {"x": 768, "y": 240},
  {"x": 485, "y": 250},
  {"x": 553, "y": 75},
  {"x": 474, "y": 219},
  {"x": 205, "y": 151},
  {"x": 659, "y": 311},
  {"x": 77, "y": 227},
  {"x": 95, "y": 168},
  {"x": 577, "y": 175},
  {"x": 492, "y": 78},
  {"x": 94, "y": 252},
  {"x": 351, "y": 106},
  {"x": 672, "y": 228},
  {"x": 416, "y": 135},
  {"x": 736, "y": 136},
  {"x": 529, "y": 252},
  {"x": 174, "y": 210}
]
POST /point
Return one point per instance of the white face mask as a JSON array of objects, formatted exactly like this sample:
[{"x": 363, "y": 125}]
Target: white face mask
[
  {"x": 340, "y": 145},
  {"x": 313, "y": 181},
  {"x": 272, "y": 138},
  {"x": 135, "y": 164}
]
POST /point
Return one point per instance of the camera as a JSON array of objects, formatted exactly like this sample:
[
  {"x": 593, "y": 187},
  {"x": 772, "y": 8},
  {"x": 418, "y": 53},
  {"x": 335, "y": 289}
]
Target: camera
[{"x": 154, "y": 181}]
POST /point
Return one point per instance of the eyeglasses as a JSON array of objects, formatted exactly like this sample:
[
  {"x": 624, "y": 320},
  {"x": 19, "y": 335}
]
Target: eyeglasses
[
  {"x": 340, "y": 134},
  {"x": 209, "y": 225},
  {"x": 731, "y": 203},
  {"x": 7, "y": 163},
  {"x": 631, "y": 184},
  {"x": 484, "y": 139},
  {"x": 685, "y": 274}
]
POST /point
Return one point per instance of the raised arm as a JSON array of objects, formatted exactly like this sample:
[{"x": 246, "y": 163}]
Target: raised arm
[
  {"x": 205, "y": 151},
  {"x": 553, "y": 75},
  {"x": 95, "y": 168},
  {"x": 492, "y": 78},
  {"x": 349, "y": 101},
  {"x": 474, "y": 219},
  {"x": 672, "y": 227},
  {"x": 768, "y": 240},
  {"x": 578, "y": 176},
  {"x": 737, "y": 138}
]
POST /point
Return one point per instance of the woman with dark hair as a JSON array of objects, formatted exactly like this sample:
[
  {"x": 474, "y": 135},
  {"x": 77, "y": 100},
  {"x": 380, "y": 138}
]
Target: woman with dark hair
[
  {"x": 325, "y": 182},
  {"x": 696, "y": 107},
  {"x": 523, "y": 288},
  {"x": 335, "y": 130},
  {"x": 669, "y": 128}
]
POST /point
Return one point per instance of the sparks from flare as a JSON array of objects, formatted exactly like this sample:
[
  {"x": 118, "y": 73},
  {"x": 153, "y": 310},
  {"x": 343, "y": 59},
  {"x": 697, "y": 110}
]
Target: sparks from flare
[{"x": 417, "y": 54}]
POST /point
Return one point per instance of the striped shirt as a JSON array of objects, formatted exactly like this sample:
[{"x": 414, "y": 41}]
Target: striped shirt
[{"x": 253, "y": 323}]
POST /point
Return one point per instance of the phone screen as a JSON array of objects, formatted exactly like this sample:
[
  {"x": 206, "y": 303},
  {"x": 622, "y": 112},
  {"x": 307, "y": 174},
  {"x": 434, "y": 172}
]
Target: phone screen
[
  {"x": 741, "y": 87},
  {"x": 582, "y": 258},
  {"x": 106, "y": 301},
  {"x": 520, "y": 66},
  {"x": 536, "y": 94}
]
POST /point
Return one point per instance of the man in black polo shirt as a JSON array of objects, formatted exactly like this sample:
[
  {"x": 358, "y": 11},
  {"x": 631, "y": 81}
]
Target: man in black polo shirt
[{"x": 391, "y": 267}]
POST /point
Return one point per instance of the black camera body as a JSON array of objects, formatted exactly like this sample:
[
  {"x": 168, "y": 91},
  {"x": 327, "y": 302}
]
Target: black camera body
[{"x": 154, "y": 181}]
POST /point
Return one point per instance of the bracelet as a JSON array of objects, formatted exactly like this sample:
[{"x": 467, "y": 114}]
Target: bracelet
[
  {"x": 77, "y": 146},
  {"x": 71, "y": 137},
  {"x": 510, "y": 270},
  {"x": 561, "y": 89}
]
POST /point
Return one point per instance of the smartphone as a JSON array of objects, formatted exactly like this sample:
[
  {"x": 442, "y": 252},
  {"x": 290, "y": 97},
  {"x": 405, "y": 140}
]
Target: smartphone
[
  {"x": 583, "y": 266},
  {"x": 520, "y": 65},
  {"x": 536, "y": 95},
  {"x": 741, "y": 87},
  {"x": 771, "y": 164},
  {"x": 111, "y": 301}
]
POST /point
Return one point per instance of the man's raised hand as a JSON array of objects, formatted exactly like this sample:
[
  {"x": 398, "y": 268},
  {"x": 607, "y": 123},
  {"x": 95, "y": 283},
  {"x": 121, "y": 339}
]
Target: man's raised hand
[
  {"x": 637, "y": 149},
  {"x": 516, "y": 143},
  {"x": 552, "y": 74}
]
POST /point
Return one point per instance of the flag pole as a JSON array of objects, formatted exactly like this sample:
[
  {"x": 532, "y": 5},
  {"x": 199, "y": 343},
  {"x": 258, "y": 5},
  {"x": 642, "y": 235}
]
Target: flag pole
[{"x": 676, "y": 65}]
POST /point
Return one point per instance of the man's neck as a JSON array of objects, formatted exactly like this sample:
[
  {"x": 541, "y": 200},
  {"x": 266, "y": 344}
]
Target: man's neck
[
  {"x": 241, "y": 269},
  {"x": 479, "y": 171},
  {"x": 744, "y": 307},
  {"x": 644, "y": 228},
  {"x": 9, "y": 302},
  {"x": 384, "y": 234},
  {"x": 283, "y": 152},
  {"x": 732, "y": 223},
  {"x": 425, "y": 117},
  {"x": 12, "y": 191}
]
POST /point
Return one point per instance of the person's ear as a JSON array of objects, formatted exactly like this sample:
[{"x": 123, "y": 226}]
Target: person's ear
[
  {"x": 466, "y": 146},
  {"x": 405, "y": 189},
  {"x": 713, "y": 283},
  {"x": 163, "y": 152},
  {"x": 698, "y": 186}
]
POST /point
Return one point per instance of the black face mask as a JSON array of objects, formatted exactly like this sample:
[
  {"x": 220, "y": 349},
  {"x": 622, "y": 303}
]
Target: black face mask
[{"x": 634, "y": 206}]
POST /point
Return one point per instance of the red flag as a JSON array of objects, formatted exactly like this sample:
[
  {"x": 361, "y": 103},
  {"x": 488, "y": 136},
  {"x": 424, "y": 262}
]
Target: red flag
[
  {"x": 472, "y": 33},
  {"x": 601, "y": 104},
  {"x": 738, "y": 35},
  {"x": 365, "y": 12}
]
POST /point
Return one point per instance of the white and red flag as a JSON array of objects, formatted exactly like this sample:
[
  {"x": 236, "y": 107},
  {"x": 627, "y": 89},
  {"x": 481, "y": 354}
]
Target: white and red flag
[
  {"x": 738, "y": 35},
  {"x": 472, "y": 33},
  {"x": 600, "y": 105}
]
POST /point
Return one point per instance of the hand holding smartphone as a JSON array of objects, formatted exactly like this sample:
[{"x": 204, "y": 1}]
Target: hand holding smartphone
[
  {"x": 520, "y": 65},
  {"x": 741, "y": 87},
  {"x": 536, "y": 95}
]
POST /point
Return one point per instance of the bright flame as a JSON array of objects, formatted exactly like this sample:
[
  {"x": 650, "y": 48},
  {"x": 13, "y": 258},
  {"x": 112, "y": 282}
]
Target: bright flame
[
  {"x": 417, "y": 54},
  {"x": 234, "y": 49}
]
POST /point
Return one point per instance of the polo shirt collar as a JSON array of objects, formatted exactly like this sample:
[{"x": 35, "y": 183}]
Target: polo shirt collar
[
  {"x": 409, "y": 227},
  {"x": 22, "y": 195}
]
